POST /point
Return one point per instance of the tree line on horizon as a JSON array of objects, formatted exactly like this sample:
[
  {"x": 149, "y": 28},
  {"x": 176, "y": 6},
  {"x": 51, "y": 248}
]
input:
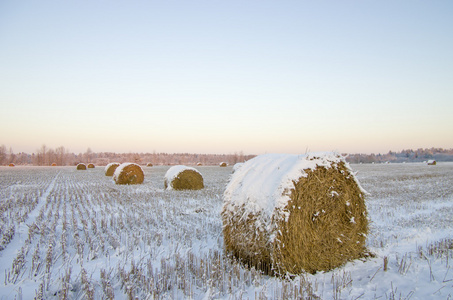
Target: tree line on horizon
[
  {"x": 61, "y": 157},
  {"x": 408, "y": 155}
]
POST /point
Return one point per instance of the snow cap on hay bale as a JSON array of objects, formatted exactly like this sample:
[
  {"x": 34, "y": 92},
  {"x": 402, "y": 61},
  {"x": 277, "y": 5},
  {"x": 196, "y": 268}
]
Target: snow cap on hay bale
[
  {"x": 81, "y": 166},
  {"x": 237, "y": 166},
  {"x": 293, "y": 213},
  {"x": 223, "y": 164},
  {"x": 128, "y": 173},
  {"x": 110, "y": 168},
  {"x": 90, "y": 166},
  {"x": 183, "y": 178},
  {"x": 12, "y": 165}
]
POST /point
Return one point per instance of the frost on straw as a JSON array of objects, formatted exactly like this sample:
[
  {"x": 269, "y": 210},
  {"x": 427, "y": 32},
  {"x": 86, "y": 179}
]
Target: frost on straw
[{"x": 292, "y": 213}]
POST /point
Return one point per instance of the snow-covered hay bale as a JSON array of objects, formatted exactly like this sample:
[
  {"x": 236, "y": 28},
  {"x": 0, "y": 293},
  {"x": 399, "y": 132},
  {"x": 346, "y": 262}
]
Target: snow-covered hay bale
[
  {"x": 294, "y": 213},
  {"x": 432, "y": 162},
  {"x": 12, "y": 165},
  {"x": 183, "y": 178},
  {"x": 237, "y": 166},
  {"x": 149, "y": 164},
  {"x": 128, "y": 173},
  {"x": 90, "y": 166},
  {"x": 81, "y": 166},
  {"x": 110, "y": 168},
  {"x": 223, "y": 164},
  {"x": 53, "y": 164}
]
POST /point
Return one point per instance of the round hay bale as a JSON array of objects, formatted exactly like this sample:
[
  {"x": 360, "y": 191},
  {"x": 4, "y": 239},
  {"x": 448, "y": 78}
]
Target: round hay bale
[
  {"x": 81, "y": 166},
  {"x": 90, "y": 166},
  {"x": 149, "y": 164},
  {"x": 128, "y": 173},
  {"x": 183, "y": 178},
  {"x": 53, "y": 164},
  {"x": 110, "y": 168},
  {"x": 12, "y": 165},
  {"x": 223, "y": 164},
  {"x": 295, "y": 213},
  {"x": 199, "y": 164}
]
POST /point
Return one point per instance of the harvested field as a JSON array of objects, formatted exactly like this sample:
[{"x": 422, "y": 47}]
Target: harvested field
[{"x": 65, "y": 233}]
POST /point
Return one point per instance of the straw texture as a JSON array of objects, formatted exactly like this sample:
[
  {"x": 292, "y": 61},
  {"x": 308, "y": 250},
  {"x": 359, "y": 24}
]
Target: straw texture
[
  {"x": 128, "y": 173},
  {"x": 322, "y": 226}
]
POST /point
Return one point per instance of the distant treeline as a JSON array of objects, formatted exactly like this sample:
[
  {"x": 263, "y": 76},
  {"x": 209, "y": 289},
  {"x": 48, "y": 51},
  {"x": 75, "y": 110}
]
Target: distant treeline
[
  {"x": 61, "y": 157},
  {"x": 419, "y": 155}
]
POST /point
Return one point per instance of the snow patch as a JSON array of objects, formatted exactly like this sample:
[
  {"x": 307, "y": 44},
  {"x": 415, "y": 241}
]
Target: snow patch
[{"x": 263, "y": 184}]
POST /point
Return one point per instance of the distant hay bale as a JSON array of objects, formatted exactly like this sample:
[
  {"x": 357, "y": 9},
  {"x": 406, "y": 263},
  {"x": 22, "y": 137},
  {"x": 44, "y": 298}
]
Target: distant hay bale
[
  {"x": 199, "y": 164},
  {"x": 432, "y": 162},
  {"x": 289, "y": 214},
  {"x": 90, "y": 166},
  {"x": 53, "y": 164},
  {"x": 223, "y": 164},
  {"x": 149, "y": 164},
  {"x": 183, "y": 178},
  {"x": 110, "y": 168},
  {"x": 128, "y": 173},
  {"x": 12, "y": 165},
  {"x": 81, "y": 166}
]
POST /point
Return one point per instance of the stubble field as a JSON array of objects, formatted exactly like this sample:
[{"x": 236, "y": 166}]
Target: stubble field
[{"x": 68, "y": 234}]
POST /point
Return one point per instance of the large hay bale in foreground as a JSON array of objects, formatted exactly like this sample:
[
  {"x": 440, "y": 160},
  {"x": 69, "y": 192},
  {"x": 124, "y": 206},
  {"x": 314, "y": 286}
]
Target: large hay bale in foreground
[
  {"x": 128, "y": 173},
  {"x": 81, "y": 166},
  {"x": 110, "y": 168},
  {"x": 237, "y": 166},
  {"x": 294, "y": 213},
  {"x": 183, "y": 178}
]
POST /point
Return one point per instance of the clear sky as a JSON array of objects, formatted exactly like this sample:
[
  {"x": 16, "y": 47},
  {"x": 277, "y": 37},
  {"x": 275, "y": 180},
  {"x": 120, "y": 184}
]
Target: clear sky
[{"x": 226, "y": 76}]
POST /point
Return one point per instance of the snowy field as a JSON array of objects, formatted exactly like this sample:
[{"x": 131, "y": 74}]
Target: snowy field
[{"x": 68, "y": 234}]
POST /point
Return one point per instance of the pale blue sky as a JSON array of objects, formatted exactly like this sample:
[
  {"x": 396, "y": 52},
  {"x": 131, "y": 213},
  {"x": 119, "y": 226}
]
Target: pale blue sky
[{"x": 226, "y": 76}]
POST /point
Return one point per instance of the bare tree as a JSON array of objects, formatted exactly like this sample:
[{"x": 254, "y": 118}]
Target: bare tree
[
  {"x": 12, "y": 156},
  {"x": 60, "y": 153},
  {"x": 41, "y": 155},
  {"x": 88, "y": 155},
  {"x": 2, "y": 154}
]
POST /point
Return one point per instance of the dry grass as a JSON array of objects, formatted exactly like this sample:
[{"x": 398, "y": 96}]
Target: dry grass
[
  {"x": 325, "y": 229},
  {"x": 327, "y": 226},
  {"x": 110, "y": 169},
  {"x": 186, "y": 180},
  {"x": 129, "y": 174}
]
